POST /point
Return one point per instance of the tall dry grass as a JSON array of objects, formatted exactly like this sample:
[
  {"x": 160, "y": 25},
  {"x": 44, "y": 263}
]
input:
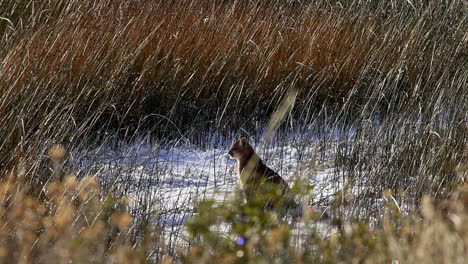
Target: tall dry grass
[
  {"x": 437, "y": 235},
  {"x": 380, "y": 84},
  {"x": 71, "y": 221},
  {"x": 71, "y": 67}
]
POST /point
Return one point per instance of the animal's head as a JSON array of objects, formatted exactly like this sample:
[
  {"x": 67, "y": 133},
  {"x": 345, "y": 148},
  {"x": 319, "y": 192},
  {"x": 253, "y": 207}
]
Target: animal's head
[{"x": 240, "y": 149}]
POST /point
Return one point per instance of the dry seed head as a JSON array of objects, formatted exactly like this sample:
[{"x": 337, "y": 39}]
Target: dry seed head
[
  {"x": 253, "y": 242},
  {"x": 47, "y": 222},
  {"x": 427, "y": 207},
  {"x": 90, "y": 182},
  {"x": 30, "y": 219},
  {"x": 277, "y": 238},
  {"x": 89, "y": 187},
  {"x": 57, "y": 153},
  {"x": 196, "y": 252},
  {"x": 53, "y": 189},
  {"x": 229, "y": 258},
  {"x": 3, "y": 252},
  {"x": 70, "y": 182},
  {"x": 122, "y": 220},
  {"x": 29, "y": 202},
  {"x": 5, "y": 189},
  {"x": 64, "y": 216},
  {"x": 167, "y": 260},
  {"x": 17, "y": 211},
  {"x": 93, "y": 232},
  {"x": 124, "y": 254}
]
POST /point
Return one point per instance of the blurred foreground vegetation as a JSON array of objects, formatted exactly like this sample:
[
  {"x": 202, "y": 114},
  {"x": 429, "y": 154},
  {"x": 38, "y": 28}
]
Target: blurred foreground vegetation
[
  {"x": 70, "y": 220},
  {"x": 381, "y": 84}
]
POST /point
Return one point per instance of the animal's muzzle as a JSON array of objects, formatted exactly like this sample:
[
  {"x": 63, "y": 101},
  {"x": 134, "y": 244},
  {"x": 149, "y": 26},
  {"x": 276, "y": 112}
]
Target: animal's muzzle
[{"x": 231, "y": 153}]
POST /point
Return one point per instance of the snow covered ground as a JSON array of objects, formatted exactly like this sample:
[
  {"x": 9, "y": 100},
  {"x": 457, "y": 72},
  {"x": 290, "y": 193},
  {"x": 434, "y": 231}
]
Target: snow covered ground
[{"x": 166, "y": 182}]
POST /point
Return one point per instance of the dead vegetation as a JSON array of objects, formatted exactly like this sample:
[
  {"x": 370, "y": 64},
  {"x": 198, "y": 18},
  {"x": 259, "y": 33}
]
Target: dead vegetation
[{"x": 381, "y": 84}]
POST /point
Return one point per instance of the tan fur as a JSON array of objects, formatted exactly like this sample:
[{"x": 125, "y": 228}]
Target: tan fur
[{"x": 256, "y": 179}]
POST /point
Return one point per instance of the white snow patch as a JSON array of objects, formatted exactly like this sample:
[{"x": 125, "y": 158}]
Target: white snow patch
[{"x": 168, "y": 181}]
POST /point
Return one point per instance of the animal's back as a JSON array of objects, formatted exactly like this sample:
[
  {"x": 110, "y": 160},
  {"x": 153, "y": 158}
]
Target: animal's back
[{"x": 259, "y": 181}]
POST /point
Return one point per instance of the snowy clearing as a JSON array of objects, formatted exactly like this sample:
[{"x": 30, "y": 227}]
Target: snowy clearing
[{"x": 166, "y": 182}]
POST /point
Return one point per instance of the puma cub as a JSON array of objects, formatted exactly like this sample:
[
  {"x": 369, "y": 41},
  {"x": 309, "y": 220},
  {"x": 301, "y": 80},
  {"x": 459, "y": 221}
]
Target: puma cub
[{"x": 257, "y": 181}]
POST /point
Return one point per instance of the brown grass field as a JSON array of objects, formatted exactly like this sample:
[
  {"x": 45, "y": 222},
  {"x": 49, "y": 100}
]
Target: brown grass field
[{"x": 75, "y": 72}]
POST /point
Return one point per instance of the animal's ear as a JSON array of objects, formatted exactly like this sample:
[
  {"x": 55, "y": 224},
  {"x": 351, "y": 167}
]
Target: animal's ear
[{"x": 243, "y": 141}]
